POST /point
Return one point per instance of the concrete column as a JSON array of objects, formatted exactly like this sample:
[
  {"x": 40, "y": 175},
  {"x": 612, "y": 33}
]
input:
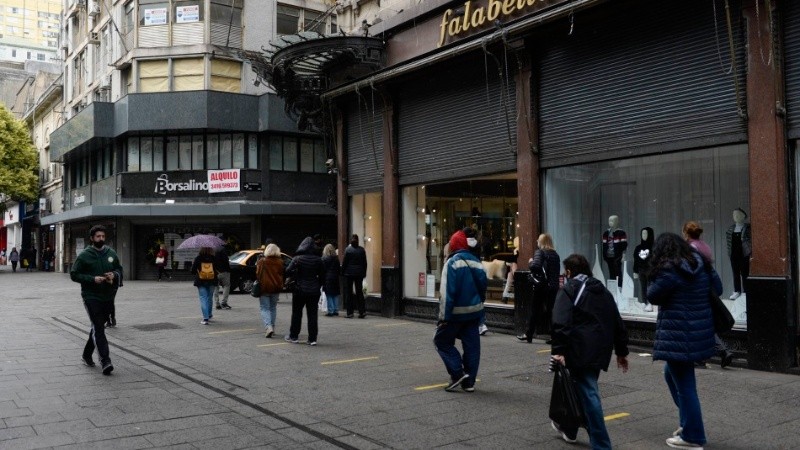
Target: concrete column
[
  {"x": 342, "y": 200},
  {"x": 391, "y": 275}
]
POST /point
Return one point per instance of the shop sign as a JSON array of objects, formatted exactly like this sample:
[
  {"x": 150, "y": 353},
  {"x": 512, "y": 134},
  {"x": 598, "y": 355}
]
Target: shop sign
[
  {"x": 226, "y": 180},
  {"x": 477, "y": 15},
  {"x": 163, "y": 185},
  {"x": 78, "y": 199},
  {"x": 186, "y": 14}
]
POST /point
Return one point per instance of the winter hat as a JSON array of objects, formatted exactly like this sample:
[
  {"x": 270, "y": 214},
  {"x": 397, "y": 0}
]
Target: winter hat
[
  {"x": 469, "y": 232},
  {"x": 458, "y": 241}
]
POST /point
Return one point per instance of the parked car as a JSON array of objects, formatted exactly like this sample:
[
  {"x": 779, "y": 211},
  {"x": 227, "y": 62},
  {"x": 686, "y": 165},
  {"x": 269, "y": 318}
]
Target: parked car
[{"x": 243, "y": 268}]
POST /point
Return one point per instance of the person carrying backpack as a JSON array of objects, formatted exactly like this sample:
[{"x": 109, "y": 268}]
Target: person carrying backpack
[{"x": 205, "y": 278}]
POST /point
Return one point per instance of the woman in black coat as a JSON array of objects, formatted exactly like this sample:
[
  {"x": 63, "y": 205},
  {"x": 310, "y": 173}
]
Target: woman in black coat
[
  {"x": 308, "y": 271},
  {"x": 545, "y": 259},
  {"x": 331, "y": 285}
]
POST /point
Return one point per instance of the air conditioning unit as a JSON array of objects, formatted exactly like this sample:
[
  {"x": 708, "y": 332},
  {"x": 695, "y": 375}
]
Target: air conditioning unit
[
  {"x": 95, "y": 9},
  {"x": 105, "y": 83},
  {"x": 94, "y": 38}
]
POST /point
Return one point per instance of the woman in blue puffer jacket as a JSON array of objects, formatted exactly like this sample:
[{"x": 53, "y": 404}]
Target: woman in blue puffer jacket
[{"x": 680, "y": 282}]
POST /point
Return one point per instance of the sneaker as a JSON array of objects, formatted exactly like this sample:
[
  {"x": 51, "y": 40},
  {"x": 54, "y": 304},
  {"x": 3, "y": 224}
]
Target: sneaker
[
  {"x": 290, "y": 339},
  {"x": 219, "y": 306},
  {"x": 482, "y": 330},
  {"x": 362, "y": 316},
  {"x": 312, "y": 343},
  {"x": 108, "y": 368},
  {"x": 569, "y": 440},
  {"x": 467, "y": 388},
  {"x": 328, "y": 314},
  {"x": 678, "y": 442},
  {"x": 648, "y": 308},
  {"x": 523, "y": 337},
  {"x": 349, "y": 316},
  {"x": 456, "y": 383},
  {"x": 204, "y": 322},
  {"x": 336, "y": 313},
  {"x": 87, "y": 360},
  {"x": 678, "y": 431},
  {"x": 734, "y": 296},
  {"x": 226, "y": 306},
  {"x": 268, "y": 332}
]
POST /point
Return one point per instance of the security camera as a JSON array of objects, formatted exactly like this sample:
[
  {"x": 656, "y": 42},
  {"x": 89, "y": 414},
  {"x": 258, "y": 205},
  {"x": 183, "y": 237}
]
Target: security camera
[
  {"x": 331, "y": 165},
  {"x": 329, "y": 162}
]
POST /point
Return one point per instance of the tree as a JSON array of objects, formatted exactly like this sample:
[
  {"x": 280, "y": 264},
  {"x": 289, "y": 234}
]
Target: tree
[{"x": 19, "y": 162}]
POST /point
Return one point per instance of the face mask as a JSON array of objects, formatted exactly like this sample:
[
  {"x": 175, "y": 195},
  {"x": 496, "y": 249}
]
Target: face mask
[
  {"x": 99, "y": 244},
  {"x": 472, "y": 242}
]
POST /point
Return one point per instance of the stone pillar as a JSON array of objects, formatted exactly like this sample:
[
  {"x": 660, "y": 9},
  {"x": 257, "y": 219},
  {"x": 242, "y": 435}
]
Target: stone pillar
[
  {"x": 527, "y": 161},
  {"x": 771, "y": 304},
  {"x": 342, "y": 200}
]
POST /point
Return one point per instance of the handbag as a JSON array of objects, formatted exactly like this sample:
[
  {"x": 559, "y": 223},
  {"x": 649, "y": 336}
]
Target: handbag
[
  {"x": 159, "y": 260},
  {"x": 565, "y": 406},
  {"x": 255, "y": 291},
  {"x": 538, "y": 279}
]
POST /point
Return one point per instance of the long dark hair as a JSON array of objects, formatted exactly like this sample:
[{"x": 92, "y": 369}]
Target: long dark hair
[{"x": 670, "y": 250}]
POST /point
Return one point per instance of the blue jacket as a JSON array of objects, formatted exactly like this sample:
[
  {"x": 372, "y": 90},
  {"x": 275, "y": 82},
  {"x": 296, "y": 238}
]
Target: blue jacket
[
  {"x": 684, "y": 329},
  {"x": 463, "y": 288}
]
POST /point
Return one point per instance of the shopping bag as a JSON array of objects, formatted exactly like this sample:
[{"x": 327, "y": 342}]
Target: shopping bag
[
  {"x": 565, "y": 406},
  {"x": 323, "y": 302},
  {"x": 255, "y": 291},
  {"x": 24, "y": 262}
]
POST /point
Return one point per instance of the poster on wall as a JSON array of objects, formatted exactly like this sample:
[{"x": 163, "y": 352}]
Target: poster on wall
[
  {"x": 187, "y": 14},
  {"x": 225, "y": 180},
  {"x": 155, "y": 16}
]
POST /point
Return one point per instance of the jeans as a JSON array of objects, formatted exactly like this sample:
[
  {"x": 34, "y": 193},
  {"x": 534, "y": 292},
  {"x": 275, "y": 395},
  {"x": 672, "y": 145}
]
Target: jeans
[
  {"x": 310, "y": 302},
  {"x": 47, "y": 266},
  {"x": 445, "y": 339},
  {"x": 269, "y": 308},
  {"x": 98, "y": 312},
  {"x": 205, "y": 291},
  {"x": 683, "y": 387},
  {"x": 224, "y": 288},
  {"x": 586, "y": 386},
  {"x": 333, "y": 301},
  {"x": 354, "y": 283}
]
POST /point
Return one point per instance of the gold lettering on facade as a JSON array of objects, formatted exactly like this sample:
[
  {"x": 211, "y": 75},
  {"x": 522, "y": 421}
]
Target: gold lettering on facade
[{"x": 476, "y": 16}]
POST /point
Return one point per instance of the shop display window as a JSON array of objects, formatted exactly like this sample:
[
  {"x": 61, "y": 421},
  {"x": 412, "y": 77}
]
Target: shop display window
[
  {"x": 660, "y": 192},
  {"x": 432, "y": 213},
  {"x": 367, "y": 222}
]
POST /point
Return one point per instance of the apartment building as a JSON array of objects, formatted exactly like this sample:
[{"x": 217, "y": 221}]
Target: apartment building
[
  {"x": 159, "y": 104},
  {"x": 29, "y": 30}
]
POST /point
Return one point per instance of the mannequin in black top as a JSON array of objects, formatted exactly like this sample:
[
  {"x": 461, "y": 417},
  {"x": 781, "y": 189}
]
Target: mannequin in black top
[
  {"x": 615, "y": 242},
  {"x": 641, "y": 264},
  {"x": 740, "y": 247}
]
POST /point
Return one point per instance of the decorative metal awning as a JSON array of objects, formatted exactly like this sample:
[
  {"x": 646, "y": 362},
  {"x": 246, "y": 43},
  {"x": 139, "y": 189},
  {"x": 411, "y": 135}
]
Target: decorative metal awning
[{"x": 300, "y": 67}]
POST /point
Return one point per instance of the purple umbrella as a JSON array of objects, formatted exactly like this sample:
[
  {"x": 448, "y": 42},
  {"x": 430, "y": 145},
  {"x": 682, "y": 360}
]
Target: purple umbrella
[{"x": 202, "y": 240}]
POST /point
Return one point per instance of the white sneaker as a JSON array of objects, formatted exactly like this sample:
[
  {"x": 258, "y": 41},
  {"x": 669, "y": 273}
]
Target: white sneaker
[
  {"x": 734, "y": 296},
  {"x": 648, "y": 308},
  {"x": 269, "y": 332},
  {"x": 678, "y": 442},
  {"x": 483, "y": 329}
]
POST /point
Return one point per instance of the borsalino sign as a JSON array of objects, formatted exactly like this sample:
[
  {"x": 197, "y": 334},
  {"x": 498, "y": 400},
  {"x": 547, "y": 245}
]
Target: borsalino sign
[
  {"x": 477, "y": 15},
  {"x": 225, "y": 180}
]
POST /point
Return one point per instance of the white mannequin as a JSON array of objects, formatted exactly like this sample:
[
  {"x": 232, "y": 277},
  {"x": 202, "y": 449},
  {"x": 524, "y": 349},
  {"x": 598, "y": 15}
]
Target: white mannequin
[
  {"x": 738, "y": 219},
  {"x": 644, "y": 238}
]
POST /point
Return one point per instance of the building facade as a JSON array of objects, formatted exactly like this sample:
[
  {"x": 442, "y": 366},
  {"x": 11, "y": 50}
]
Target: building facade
[
  {"x": 171, "y": 134},
  {"x": 29, "y": 30},
  {"x": 516, "y": 118}
]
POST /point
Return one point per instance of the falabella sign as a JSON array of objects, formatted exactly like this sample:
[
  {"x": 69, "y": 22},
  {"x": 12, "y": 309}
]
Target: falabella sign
[{"x": 226, "y": 180}]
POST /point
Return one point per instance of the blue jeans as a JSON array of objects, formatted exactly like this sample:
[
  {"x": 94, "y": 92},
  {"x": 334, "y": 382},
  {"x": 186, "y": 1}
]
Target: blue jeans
[
  {"x": 586, "y": 385},
  {"x": 683, "y": 387},
  {"x": 445, "y": 339},
  {"x": 269, "y": 308},
  {"x": 206, "y": 292},
  {"x": 333, "y": 302}
]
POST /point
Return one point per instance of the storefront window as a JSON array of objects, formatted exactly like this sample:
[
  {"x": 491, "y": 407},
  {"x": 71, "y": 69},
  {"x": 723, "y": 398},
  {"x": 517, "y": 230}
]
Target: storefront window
[
  {"x": 212, "y": 151},
  {"x": 367, "y": 223},
  {"x": 660, "y": 192},
  {"x": 432, "y": 213}
]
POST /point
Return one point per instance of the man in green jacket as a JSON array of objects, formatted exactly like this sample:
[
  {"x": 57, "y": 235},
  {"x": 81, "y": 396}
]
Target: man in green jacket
[{"x": 99, "y": 272}]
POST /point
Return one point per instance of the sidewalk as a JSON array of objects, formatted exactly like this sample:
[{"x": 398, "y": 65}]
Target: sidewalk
[{"x": 373, "y": 383}]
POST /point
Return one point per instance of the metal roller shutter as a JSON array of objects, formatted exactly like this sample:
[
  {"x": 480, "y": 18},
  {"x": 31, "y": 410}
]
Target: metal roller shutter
[
  {"x": 457, "y": 124},
  {"x": 364, "y": 144},
  {"x": 792, "y": 52},
  {"x": 647, "y": 77}
]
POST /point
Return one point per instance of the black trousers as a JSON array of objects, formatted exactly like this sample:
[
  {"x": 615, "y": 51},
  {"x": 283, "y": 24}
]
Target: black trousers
[
  {"x": 354, "y": 284},
  {"x": 541, "y": 313},
  {"x": 643, "y": 285},
  {"x": 614, "y": 269},
  {"x": 311, "y": 303},
  {"x": 98, "y": 312},
  {"x": 741, "y": 270},
  {"x": 162, "y": 272}
]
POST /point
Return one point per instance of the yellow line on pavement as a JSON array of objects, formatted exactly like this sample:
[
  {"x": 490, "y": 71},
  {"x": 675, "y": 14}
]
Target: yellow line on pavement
[
  {"x": 233, "y": 331},
  {"x": 272, "y": 345},
  {"x": 615, "y": 416},
  {"x": 435, "y": 386},
  {"x": 190, "y": 317},
  {"x": 547, "y": 350},
  {"x": 345, "y": 361},
  {"x": 384, "y": 325}
]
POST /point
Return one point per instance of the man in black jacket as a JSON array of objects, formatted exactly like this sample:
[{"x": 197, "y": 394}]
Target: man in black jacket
[
  {"x": 309, "y": 272},
  {"x": 586, "y": 327},
  {"x": 354, "y": 269}
]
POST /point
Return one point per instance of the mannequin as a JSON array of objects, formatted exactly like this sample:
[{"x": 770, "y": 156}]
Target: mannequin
[
  {"x": 740, "y": 247},
  {"x": 641, "y": 264},
  {"x": 615, "y": 242}
]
